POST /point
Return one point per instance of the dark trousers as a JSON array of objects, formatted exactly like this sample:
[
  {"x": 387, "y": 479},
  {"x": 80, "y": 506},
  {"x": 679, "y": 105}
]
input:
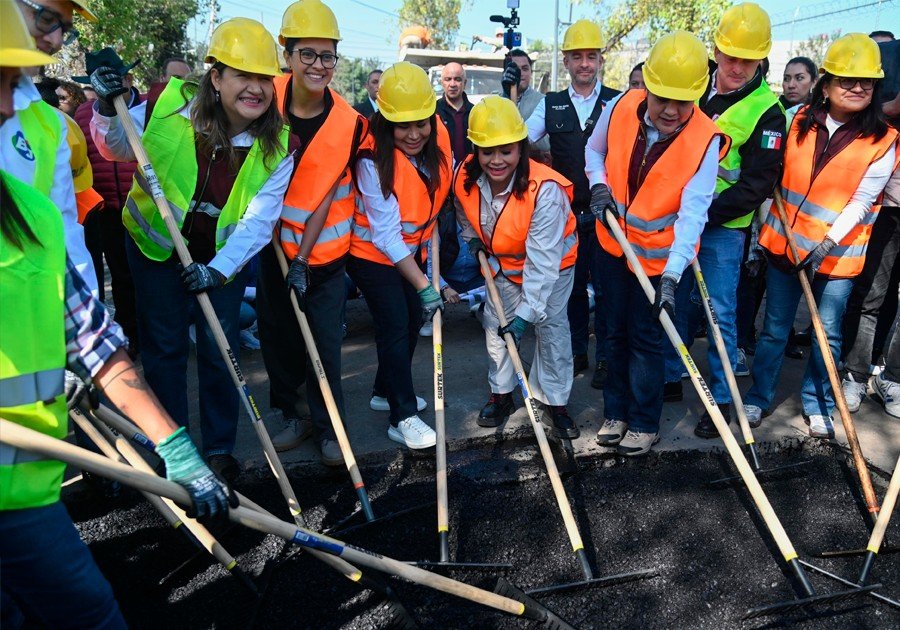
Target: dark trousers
[
  {"x": 166, "y": 311},
  {"x": 105, "y": 237},
  {"x": 325, "y": 300},
  {"x": 871, "y": 297},
  {"x": 634, "y": 387},
  {"x": 587, "y": 269},
  {"x": 397, "y": 312}
]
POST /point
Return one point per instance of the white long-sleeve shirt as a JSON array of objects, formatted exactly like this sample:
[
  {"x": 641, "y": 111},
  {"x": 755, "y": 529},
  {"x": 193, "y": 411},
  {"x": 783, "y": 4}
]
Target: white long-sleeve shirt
[
  {"x": 17, "y": 159},
  {"x": 584, "y": 105},
  {"x": 253, "y": 231},
  {"x": 695, "y": 198},
  {"x": 543, "y": 244}
]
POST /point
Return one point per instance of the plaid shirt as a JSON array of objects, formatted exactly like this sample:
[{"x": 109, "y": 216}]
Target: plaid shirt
[{"x": 92, "y": 336}]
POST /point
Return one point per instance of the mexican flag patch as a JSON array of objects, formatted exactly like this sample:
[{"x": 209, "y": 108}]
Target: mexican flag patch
[{"x": 771, "y": 139}]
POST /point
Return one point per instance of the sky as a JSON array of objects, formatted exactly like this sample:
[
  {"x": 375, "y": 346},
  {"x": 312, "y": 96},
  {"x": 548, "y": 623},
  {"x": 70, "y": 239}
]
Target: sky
[{"x": 369, "y": 27}]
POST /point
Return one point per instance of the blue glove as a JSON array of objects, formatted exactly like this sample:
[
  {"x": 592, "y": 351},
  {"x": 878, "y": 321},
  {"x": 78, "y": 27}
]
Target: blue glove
[
  {"x": 516, "y": 327},
  {"x": 211, "y": 497},
  {"x": 199, "y": 278},
  {"x": 432, "y": 302}
]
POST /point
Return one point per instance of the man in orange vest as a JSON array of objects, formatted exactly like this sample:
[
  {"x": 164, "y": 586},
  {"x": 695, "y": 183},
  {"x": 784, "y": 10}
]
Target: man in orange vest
[
  {"x": 651, "y": 162},
  {"x": 314, "y": 229}
]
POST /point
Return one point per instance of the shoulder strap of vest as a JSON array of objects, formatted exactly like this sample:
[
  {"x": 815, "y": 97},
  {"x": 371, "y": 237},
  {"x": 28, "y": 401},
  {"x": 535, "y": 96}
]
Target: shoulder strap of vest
[{"x": 591, "y": 122}]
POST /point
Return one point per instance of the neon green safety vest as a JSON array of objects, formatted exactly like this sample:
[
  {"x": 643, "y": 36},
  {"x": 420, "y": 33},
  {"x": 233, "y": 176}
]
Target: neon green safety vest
[
  {"x": 43, "y": 131},
  {"x": 32, "y": 348},
  {"x": 169, "y": 140},
  {"x": 739, "y": 121}
]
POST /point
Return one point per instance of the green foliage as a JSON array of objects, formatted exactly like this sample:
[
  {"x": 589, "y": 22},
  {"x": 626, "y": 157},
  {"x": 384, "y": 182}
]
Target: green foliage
[
  {"x": 350, "y": 77},
  {"x": 440, "y": 17},
  {"x": 815, "y": 46}
]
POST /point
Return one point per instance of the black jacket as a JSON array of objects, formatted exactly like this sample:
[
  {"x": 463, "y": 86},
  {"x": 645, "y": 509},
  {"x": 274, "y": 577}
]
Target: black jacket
[
  {"x": 365, "y": 108},
  {"x": 760, "y": 167},
  {"x": 445, "y": 112}
]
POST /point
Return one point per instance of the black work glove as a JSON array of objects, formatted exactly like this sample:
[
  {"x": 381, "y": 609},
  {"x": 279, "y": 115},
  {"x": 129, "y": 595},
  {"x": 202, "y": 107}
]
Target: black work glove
[
  {"x": 298, "y": 280},
  {"x": 665, "y": 296},
  {"x": 475, "y": 245},
  {"x": 510, "y": 77},
  {"x": 814, "y": 259},
  {"x": 601, "y": 201},
  {"x": 755, "y": 267},
  {"x": 199, "y": 278},
  {"x": 107, "y": 83}
]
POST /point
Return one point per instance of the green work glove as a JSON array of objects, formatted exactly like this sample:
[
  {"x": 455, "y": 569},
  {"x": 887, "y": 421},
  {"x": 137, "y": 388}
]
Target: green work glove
[
  {"x": 431, "y": 302},
  {"x": 516, "y": 327},
  {"x": 210, "y": 496}
]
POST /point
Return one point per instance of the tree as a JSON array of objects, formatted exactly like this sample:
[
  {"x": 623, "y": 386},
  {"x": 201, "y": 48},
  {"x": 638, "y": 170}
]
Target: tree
[
  {"x": 350, "y": 77},
  {"x": 815, "y": 46},
  {"x": 136, "y": 29},
  {"x": 440, "y": 17}
]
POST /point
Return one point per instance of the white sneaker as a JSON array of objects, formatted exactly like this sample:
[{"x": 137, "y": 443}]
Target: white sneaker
[
  {"x": 821, "y": 427},
  {"x": 754, "y": 415},
  {"x": 413, "y": 433},
  {"x": 612, "y": 432},
  {"x": 297, "y": 430},
  {"x": 742, "y": 368},
  {"x": 853, "y": 392},
  {"x": 380, "y": 403},
  {"x": 427, "y": 329},
  {"x": 887, "y": 393},
  {"x": 637, "y": 443}
]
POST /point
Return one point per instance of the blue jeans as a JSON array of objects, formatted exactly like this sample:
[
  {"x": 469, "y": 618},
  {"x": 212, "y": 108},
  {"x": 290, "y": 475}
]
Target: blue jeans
[
  {"x": 587, "y": 269},
  {"x": 165, "y": 312},
  {"x": 634, "y": 343},
  {"x": 721, "y": 256},
  {"x": 49, "y": 576},
  {"x": 783, "y": 294}
]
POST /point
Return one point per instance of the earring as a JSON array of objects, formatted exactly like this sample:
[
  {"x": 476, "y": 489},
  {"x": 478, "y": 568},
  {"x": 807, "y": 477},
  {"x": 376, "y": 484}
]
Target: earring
[{"x": 218, "y": 96}]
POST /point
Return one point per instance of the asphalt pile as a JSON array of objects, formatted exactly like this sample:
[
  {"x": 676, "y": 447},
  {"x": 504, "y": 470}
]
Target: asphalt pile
[{"x": 713, "y": 556}]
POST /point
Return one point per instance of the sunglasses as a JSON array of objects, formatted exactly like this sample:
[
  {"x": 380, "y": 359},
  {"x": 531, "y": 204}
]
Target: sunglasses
[
  {"x": 849, "y": 83},
  {"x": 48, "y": 21}
]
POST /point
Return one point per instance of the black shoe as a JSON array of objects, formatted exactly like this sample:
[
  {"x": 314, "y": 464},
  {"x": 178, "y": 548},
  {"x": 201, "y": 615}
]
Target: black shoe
[
  {"x": 225, "y": 466},
  {"x": 705, "y": 427},
  {"x": 563, "y": 425},
  {"x": 672, "y": 392},
  {"x": 599, "y": 378},
  {"x": 497, "y": 410},
  {"x": 804, "y": 337},
  {"x": 793, "y": 351},
  {"x": 579, "y": 363}
]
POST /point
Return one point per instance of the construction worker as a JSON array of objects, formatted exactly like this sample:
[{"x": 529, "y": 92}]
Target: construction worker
[
  {"x": 568, "y": 117},
  {"x": 403, "y": 177},
  {"x": 516, "y": 210},
  {"x": 740, "y": 102},
  {"x": 315, "y": 227},
  {"x": 49, "y": 576},
  {"x": 225, "y": 186},
  {"x": 35, "y": 146},
  {"x": 840, "y": 154},
  {"x": 651, "y": 161}
]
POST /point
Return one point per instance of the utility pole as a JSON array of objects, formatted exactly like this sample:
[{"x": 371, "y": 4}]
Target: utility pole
[
  {"x": 213, "y": 6},
  {"x": 554, "y": 67}
]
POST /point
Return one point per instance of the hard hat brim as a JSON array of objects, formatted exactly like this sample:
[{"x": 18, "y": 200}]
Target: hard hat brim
[
  {"x": 83, "y": 11},
  {"x": 744, "y": 53},
  {"x": 286, "y": 35},
  {"x": 409, "y": 116},
  {"x": 24, "y": 58},
  {"x": 853, "y": 75},
  {"x": 676, "y": 94},
  {"x": 268, "y": 71},
  {"x": 511, "y": 138}
]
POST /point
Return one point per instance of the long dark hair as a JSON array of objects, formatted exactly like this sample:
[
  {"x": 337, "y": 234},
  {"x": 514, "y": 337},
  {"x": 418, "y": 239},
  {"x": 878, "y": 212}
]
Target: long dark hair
[
  {"x": 807, "y": 63},
  {"x": 211, "y": 122},
  {"x": 383, "y": 132},
  {"x": 871, "y": 120},
  {"x": 520, "y": 177},
  {"x": 13, "y": 226}
]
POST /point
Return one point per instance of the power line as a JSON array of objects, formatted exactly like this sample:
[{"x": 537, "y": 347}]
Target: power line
[
  {"x": 374, "y": 8},
  {"x": 800, "y": 17}
]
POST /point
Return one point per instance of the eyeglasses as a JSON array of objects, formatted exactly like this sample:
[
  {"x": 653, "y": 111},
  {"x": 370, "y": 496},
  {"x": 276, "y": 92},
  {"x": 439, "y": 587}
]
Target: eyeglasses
[
  {"x": 849, "y": 83},
  {"x": 47, "y": 21},
  {"x": 308, "y": 57}
]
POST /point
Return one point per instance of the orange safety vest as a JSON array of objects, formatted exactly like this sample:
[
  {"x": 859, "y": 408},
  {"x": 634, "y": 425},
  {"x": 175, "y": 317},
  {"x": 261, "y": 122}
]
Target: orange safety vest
[
  {"x": 813, "y": 204},
  {"x": 507, "y": 242},
  {"x": 647, "y": 217},
  {"x": 326, "y": 159},
  {"x": 418, "y": 209},
  {"x": 87, "y": 201}
]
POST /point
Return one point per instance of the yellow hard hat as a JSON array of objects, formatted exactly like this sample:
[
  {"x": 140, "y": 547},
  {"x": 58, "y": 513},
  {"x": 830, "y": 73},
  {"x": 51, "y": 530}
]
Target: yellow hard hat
[
  {"x": 677, "y": 67},
  {"x": 84, "y": 10},
  {"x": 244, "y": 44},
  {"x": 495, "y": 121},
  {"x": 405, "y": 93},
  {"x": 17, "y": 47},
  {"x": 309, "y": 19},
  {"x": 744, "y": 32},
  {"x": 854, "y": 55},
  {"x": 582, "y": 35}
]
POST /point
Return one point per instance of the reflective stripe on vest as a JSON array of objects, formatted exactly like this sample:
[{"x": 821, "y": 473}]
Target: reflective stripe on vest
[
  {"x": 324, "y": 161},
  {"x": 738, "y": 122},
  {"x": 418, "y": 209},
  {"x": 648, "y": 215},
  {"x": 42, "y": 129},
  {"x": 813, "y": 204},
  {"x": 507, "y": 244},
  {"x": 32, "y": 346},
  {"x": 169, "y": 141}
]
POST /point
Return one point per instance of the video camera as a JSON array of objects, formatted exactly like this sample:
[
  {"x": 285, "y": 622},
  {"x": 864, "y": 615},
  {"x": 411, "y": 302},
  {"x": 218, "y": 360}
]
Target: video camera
[{"x": 511, "y": 38}]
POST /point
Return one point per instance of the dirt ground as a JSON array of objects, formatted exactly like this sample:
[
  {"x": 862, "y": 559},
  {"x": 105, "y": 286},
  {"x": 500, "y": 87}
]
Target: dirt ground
[{"x": 713, "y": 556}]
